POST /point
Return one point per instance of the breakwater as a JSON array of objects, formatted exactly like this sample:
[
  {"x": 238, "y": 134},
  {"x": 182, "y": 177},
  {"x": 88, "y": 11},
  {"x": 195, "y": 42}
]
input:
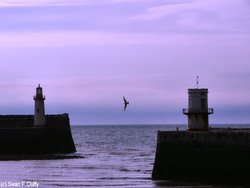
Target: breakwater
[
  {"x": 18, "y": 136},
  {"x": 217, "y": 156}
]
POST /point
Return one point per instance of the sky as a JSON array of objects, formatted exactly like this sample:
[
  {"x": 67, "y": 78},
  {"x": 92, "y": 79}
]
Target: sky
[{"x": 88, "y": 54}]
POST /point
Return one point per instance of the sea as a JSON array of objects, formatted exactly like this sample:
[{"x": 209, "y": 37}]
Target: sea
[{"x": 108, "y": 156}]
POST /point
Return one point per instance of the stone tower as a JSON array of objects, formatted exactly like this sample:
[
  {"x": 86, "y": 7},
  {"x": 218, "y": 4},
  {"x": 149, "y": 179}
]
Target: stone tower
[
  {"x": 39, "y": 117},
  {"x": 197, "y": 110}
]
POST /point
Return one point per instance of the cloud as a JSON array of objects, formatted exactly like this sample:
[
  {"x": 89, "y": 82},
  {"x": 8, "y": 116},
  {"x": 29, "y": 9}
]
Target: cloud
[
  {"x": 93, "y": 38},
  {"x": 128, "y": 1},
  {"x": 22, "y": 3},
  {"x": 194, "y": 16},
  {"x": 73, "y": 38},
  {"x": 158, "y": 12},
  {"x": 224, "y": 15}
]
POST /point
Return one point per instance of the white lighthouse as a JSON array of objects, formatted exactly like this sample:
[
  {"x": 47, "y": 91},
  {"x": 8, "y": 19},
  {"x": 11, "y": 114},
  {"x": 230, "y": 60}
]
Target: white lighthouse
[
  {"x": 197, "y": 110},
  {"x": 39, "y": 117}
]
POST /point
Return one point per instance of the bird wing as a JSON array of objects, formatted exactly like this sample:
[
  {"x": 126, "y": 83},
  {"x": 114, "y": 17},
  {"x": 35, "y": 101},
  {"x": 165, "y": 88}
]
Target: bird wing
[
  {"x": 125, "y": 103},
  {"x": 125, "y": 106}
]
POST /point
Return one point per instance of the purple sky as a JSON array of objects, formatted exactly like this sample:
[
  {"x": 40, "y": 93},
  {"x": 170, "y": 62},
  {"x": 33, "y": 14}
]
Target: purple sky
[{"x": 88, "y": 54}]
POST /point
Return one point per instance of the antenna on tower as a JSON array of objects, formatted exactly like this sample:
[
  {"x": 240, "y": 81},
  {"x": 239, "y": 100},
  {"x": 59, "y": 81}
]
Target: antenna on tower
[{"x": 197, "y": 82}]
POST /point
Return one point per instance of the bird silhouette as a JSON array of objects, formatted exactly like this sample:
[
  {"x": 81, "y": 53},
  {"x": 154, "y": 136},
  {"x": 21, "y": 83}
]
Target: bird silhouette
[{"x": 125, "y": 103}]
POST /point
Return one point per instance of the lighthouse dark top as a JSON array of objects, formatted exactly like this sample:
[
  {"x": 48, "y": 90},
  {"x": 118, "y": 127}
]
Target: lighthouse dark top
[{"x": 39, "y": 114}]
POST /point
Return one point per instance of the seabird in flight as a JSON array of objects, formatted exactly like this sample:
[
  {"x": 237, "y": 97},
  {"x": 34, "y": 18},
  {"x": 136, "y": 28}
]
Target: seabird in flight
[{"x": 125, "y": 103}]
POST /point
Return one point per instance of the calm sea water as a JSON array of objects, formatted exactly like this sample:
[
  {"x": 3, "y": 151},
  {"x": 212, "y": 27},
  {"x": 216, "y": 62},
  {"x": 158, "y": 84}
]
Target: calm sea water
[{"x": 112, "y": 156}]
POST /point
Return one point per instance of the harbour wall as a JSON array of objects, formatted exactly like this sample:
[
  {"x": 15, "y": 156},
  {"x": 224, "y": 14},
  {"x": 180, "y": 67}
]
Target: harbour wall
[
  {"x": 19, "y": 136},
  {"x": 216, "y": 157}
]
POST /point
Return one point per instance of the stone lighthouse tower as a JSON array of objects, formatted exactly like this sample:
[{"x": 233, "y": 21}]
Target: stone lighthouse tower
[
  {"x": 39, "y": 117},
  {"x": 197, "y": 110}
]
